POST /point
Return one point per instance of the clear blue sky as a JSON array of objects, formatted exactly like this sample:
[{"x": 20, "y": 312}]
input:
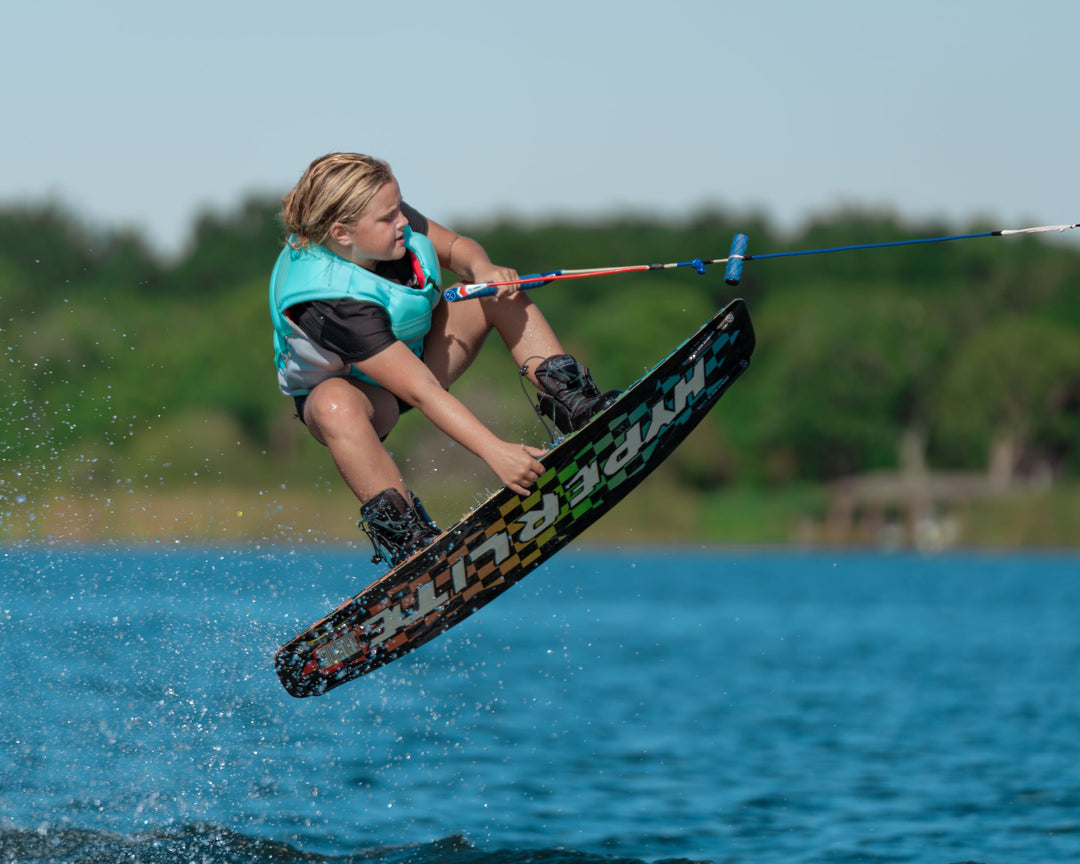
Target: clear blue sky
[{"x": 141, "y": 114}]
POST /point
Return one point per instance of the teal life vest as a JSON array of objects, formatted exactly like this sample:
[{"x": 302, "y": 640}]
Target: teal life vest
[{"x": 313, "y": 272}]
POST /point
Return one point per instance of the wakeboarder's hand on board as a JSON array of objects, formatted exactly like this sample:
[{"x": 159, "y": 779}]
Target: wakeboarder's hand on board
[{"x": 516, "y": 465}]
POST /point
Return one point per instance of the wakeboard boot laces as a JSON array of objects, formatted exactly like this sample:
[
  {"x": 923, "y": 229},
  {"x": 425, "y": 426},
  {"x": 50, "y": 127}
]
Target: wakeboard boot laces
[
  {"x": 396, "y": 528},
  {"x": 571, "y": 397}
]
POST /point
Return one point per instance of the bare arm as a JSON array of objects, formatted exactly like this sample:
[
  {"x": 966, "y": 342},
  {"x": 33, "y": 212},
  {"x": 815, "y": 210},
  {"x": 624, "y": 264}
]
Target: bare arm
[
  {"x": 402, "y": 373},
  {"x": 467, "y": 259}
]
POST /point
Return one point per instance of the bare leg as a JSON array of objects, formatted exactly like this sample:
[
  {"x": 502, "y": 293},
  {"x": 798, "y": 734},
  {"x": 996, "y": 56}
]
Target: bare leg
[
  {"x": 458, "y": 331},
  {"x": 349, "y": 416}
]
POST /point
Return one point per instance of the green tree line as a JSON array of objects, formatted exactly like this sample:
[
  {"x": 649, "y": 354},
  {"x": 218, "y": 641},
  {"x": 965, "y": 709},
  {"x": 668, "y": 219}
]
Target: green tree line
[{"x": 123, "y": 369}]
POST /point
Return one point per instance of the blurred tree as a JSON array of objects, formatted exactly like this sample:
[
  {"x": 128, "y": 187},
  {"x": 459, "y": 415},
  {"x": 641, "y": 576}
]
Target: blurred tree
[
  {"x": 107, "y": 350},
  {"x": 228, "y": 250},
  {"x": 1014, "y": 386},
  {"x": 838, "y": 375}
]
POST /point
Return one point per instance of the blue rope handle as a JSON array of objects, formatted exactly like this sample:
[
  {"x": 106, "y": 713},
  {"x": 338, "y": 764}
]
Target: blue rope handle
[{"x": 490, "y": 289}]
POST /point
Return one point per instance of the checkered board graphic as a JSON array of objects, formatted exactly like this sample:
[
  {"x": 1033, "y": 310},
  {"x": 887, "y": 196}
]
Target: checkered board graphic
[{"x": 508, "y": 536}]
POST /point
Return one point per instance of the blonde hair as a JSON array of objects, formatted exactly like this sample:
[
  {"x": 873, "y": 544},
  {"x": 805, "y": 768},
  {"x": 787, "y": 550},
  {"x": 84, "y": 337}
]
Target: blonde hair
[{"x": 335, "y": 188}]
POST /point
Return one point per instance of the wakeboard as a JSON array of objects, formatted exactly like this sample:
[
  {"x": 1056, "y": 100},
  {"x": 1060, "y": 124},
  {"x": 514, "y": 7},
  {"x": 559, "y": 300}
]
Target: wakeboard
[{"x": 507, "y": 536}]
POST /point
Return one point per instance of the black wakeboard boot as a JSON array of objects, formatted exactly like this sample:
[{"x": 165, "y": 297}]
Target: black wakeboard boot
[
  {"x": 396, "y": 528},
  {"x": 569, "y": 395}
]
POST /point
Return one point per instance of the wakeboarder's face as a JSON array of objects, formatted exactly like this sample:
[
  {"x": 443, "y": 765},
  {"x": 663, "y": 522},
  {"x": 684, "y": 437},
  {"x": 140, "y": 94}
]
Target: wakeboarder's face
[{"x": 379, "y": 233}]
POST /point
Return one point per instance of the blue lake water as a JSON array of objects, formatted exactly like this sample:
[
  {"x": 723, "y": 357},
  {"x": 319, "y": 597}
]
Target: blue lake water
[{"x": 640, "y": 705}]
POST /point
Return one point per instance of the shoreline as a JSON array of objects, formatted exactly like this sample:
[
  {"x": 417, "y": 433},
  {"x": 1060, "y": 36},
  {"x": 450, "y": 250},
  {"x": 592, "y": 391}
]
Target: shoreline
[{"x": 658, "y": 515}]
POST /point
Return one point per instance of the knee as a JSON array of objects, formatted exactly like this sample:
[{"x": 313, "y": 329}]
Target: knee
[
  {"x": 513, "y": 304},
  {"x": 338, "y": 407},
  {"x": 509, "y": 316}
]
